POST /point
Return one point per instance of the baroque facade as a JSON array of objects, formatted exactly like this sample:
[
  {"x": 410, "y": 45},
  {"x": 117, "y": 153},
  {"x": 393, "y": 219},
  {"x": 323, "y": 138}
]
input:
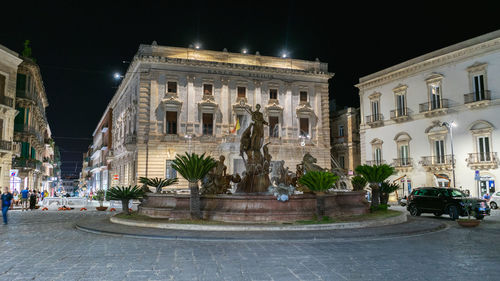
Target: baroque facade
[
  {"x": 345, "y": 139},
  {"x": 435, "y": 117},
  {"x": 176, "y": 100},
  {"x": 9, "y": 62}
]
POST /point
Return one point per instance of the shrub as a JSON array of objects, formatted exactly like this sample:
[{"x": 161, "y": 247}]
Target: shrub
[
  {"x": 158, "y": 183},
  {"x": 124, "y": 194},
  {"x": 358, "y": 183},
  {"x": 318, "y": 180}
]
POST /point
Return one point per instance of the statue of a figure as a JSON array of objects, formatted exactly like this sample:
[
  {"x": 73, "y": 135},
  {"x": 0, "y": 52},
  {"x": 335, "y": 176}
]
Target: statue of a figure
[
  {"x": 217, "y": 181},
  {"x": 309, "y": 163},
  {"x": 258, "y": 127},
  {"x": 245, "y": 142},
  {"x": 267, "y": 157}
]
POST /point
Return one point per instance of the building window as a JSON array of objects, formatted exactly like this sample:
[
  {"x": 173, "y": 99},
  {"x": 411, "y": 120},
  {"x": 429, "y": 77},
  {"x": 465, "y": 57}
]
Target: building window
[
  {"x": 273, "y": 94},
  {"x": 171, "y": 123},
  {"x": 342, "y": 162},
  {"x": 2, "y": 85},
  {"x": 478, "y": 81},
  {"x": 274, "y": 126},
  {"x": 341, "y": 130},
  {"x": 375, "y": 110},
  {"x": 172, "y": 87},
  {"x": 403, "y": 145},
  {"x": 303, "y": 96},
  {"x": 304, "y": 127},
  {"x": 435, "y": 96},
  {"x": 439, "y": 157},
  {"x": 171, "y": 173},
  {"x": 207, "y": 89},
  {"x": 208, "y": 124},
  {"x": 242, "y": 92},
  {"x": 483, "y": 148},
  {"x": 401, "y": 104},
  {"x": 377, "y": 152}
]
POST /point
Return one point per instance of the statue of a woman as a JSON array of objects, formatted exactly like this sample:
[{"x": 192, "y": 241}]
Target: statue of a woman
[{"x": 258, "y": 128}]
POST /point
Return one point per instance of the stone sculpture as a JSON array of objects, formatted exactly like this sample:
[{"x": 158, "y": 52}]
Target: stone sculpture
[
  {"x": 217, "y": 181},
  {"x": 256, "y": 177},
  {"x": 308, "y": 164}
]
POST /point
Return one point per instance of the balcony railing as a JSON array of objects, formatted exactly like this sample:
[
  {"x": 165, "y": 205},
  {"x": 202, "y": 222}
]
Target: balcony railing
[
  {"x": 26, "y": 163},
  {"x": 374, "y": 118},
  {"x": 399, "y": 113},
  {"x": 485, "y": 157},
  {"x": 339, "y": 140},
  {"x": 24, "y": 94},
  {"x": 5, "y": 145},
  {"x": 479, "y": 96},
  {"x": 403, "y": 162},
  {"x": 434, "y": 105},
  {"x": 6, "y": 101},
  {"x": 437, "y": 160},
  {"x": 375, "y": 162}
]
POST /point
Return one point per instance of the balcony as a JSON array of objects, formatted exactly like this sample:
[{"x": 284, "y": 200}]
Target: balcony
[
  {"x": 27, "y": 131},
  {"x": 5, "y": 146},
  {"x": 477, "y": 100},
  {"x": 400, "y": 114},
  {"x": 375, "y": 162},
  {"x": 6, "y": 101},
  {"x": 340, "y": 140},
  {"x": 403, "y": 164},
  {"x": 434, "y": 108},
  {"x": 437, "y": 163},
  {"x": 22, "y": 94},
  {"x": 482, "y": 161},
  {"x": 19, "y": 162},
  {"x": 375, "y": 120}
]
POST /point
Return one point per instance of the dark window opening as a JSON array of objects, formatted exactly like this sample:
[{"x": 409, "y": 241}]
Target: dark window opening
[
  {"x": 304, "y": 127},
  {"x": 303, "y": 96},
  {"x": 273, "y": 94},
  {"x": 207, "y": 89},
  {"x": 242, "y": 92},
  {"x": 273, "y": 126},
  {"x": 171, "y": 127},
  {"x": 172, "y": 87},
  {"x": 208, "y": 124}
]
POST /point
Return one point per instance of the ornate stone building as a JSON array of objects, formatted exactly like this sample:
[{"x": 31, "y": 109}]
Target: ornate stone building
[
  {"x": 101, "y": 153},
  {"x": 345, "y": 139},
  {"x": 30, "y": 127},
  {"x": 407, "y": 110},
  {"x": 177, "y": 100},
  {"x": 9, "y": 62}
]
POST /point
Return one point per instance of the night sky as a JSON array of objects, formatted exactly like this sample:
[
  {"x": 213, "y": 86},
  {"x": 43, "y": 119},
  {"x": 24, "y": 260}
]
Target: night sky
[{"x": 79, "y": 45}]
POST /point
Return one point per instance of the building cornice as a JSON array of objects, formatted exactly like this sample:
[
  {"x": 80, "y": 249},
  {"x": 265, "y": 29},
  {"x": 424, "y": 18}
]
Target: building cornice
[{"x": 455, "y": 53}]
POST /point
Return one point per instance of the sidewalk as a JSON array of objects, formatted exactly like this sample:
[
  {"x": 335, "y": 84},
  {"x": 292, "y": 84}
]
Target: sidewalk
[{"x": 413, "y": 226}]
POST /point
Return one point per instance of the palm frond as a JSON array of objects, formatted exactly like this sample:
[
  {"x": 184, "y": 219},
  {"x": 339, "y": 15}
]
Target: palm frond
[
  {"x": 318, "y": 180},
  {"x": 124, "y": 192},
  {"x": 193, "y": 167}
]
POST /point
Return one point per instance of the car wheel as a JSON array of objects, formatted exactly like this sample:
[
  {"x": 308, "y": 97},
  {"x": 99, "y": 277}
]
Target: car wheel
[
  {"x": 414, "y": 211},
  {"x": 493, "y": 205},
  {"x": 437, "y": 214},
  {"x": 479, "y": 217},
  {"x": 453, "y": 212}
]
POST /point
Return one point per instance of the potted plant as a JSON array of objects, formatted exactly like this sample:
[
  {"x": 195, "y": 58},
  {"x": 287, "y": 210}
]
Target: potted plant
[
  {"x": 157, "y": 183},
  {"x": 99, "y": 196},
  {"x": 468, "y": 204},
  {"x": 319, "y": 182},
  {"x": 193, "y": 168},
  {"x": 125, "y": 194}
]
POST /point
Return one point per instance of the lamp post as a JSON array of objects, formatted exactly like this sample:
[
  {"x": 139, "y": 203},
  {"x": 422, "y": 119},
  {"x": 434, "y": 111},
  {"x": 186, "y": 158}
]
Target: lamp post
[{"x": 450, "y": 126}]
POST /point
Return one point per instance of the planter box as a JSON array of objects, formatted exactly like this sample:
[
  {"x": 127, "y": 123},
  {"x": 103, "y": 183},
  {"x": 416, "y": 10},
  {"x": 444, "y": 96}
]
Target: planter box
[
  {"x": 254, "y": 208},
  {"x": 101, "y": 208}
]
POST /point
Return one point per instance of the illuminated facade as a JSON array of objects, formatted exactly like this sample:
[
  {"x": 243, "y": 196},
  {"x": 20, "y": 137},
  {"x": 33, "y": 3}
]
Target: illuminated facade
[
  {"x": 404, "y": 109},
  {"x": 177, "y": 100}
]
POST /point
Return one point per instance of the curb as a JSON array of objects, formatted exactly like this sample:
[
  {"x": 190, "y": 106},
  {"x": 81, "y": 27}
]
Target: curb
[{"x": 401, "y": 218}]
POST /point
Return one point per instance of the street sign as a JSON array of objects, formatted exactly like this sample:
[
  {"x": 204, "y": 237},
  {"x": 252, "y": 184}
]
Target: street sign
[
  {"x": 115, "y": 177},
  {"x": 477, "y": 176},
  {"x": 14, "y": 172}
]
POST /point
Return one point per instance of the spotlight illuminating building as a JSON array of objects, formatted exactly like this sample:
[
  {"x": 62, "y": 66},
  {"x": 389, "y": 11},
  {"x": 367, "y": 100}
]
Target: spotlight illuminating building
[
  {"x": 405, "y": 110},
  {"x": 177, "y": 100}
]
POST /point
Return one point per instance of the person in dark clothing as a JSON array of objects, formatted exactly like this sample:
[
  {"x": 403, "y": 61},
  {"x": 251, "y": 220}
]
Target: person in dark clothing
[
  {"x": 32, "y": 200},
  {"x": 6, "y": 202}
]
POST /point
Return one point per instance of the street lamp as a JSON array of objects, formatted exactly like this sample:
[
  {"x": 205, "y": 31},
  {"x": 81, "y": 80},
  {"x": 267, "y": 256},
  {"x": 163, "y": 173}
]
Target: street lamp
[{"x": 450, "y": 127}]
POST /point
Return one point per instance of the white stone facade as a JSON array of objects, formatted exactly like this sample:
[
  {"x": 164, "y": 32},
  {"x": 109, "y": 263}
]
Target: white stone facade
[
  {"x": 9, "y": 62},
  {"x": 403, "y": 109},
  {"x": 177, "y": 100}
]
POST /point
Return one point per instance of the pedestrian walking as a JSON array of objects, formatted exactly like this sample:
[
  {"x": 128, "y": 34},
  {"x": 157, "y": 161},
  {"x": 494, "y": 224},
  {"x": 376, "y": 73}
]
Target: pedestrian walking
[
  {"x": 6, "y": 202},
  {"x": 24, "y": 198},
  {"x": 32, "y": 200}
]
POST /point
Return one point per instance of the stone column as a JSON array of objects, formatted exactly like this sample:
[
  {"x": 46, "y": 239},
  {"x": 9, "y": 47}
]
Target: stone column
[
  {"x": 288, "y": 109},
  {"x": 257, "y": 95},
  {"x": 225, "y": 104},
  {"x": 325, "y": 116},
  {"x": 190, "y": 103}
]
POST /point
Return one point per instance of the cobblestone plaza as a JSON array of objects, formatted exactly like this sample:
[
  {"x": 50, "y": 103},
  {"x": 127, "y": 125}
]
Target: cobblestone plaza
[{"x": 46, "y": 246}]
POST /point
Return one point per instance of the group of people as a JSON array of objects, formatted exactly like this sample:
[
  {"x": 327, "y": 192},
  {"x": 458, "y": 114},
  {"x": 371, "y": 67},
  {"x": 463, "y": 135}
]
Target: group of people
[{"x": 27, "y": 198}]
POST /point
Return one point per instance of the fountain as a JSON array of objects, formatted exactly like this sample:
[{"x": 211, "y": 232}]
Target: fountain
[{"x": 257, "y": 198}]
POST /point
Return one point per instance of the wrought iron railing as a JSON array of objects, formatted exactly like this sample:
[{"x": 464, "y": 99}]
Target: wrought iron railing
[
  {"x": 403, "y": 162},
  {"x": 434, "y": 105},
  {"x": 479, "y": 96},
  {"x": 399, "y": 112},
  {"x": 5, "y": 145},
  {"x": 437, "y": 160},
  {"x": 484, "y": 157},
  {"x": 375, "y": 162},
  {"x": 6, "y": 101},
  {"x": 374, "y": 118}
]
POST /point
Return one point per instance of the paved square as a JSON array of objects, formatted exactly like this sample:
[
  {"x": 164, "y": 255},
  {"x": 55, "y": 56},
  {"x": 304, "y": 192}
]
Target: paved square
[{"x": 45, "y": 246}]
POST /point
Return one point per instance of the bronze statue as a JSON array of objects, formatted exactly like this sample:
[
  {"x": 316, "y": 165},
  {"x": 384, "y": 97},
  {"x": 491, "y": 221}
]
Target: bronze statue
[{"x": 217, "y": 181}]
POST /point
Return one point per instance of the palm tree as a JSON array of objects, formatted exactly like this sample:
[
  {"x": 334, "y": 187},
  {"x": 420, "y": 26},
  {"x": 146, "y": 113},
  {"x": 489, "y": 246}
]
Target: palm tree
[
  {"x": 193, "y": 168},
  {"x": 124, "y": 194},
  {"x": 385, "y": 189},
  {"x": 358, "y": 183},
  {"x": 375, "y": 175},
  {"x": 158, "y": 183}
]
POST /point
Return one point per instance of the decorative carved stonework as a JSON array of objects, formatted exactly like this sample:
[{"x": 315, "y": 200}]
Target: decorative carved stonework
[
  {"x": 171, "y": 102},
  {"x": 273, "y": 108},
  {"x": 208, "y": 104},
  {"x": 241, "y": 106},
  {"x": 478, "y": 104},
  {"x": 304, "y": 109}
]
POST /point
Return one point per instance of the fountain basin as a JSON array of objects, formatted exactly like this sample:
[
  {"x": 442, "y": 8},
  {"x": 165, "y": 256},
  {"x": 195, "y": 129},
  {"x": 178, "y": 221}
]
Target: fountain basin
[{"x": 254, "y": 208}]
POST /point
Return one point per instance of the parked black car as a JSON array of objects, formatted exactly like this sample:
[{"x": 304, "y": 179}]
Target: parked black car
[{"x": 440, "y": 201}]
